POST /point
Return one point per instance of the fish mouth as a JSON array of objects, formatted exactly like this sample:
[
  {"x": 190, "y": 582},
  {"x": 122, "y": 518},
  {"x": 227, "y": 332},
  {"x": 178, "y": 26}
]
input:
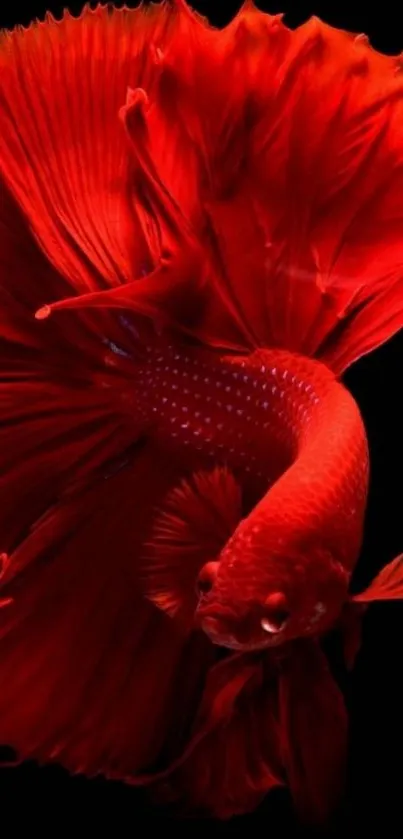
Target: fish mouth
[
  {"x": 214, "y": 630},
  {"x": 219, "y": 612},
  {"x": 221, "y": 627},
  {"x": 217, "y": 624},
  {"x": 223, "y": 638}
]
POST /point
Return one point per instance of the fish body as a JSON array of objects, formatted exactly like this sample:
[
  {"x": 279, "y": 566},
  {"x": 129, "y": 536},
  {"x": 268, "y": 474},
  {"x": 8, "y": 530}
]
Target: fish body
[{"x": 293, "y": 438}]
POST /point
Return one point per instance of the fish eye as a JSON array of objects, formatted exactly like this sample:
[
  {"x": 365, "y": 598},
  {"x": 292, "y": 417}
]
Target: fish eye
[
  {"x": 276, "y": 613},
  {"x": 275, "y": 622},
  {"x": 206, "y": 578}
]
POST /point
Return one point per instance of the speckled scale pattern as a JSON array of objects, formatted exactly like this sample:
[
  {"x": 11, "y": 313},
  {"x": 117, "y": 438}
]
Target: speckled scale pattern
[{"x": 231, "y": 409}]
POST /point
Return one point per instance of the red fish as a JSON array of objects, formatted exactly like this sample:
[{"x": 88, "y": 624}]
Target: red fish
[{"x": 200, "y": 231}]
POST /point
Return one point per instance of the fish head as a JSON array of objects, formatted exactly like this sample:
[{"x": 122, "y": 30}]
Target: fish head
[{"x": 264, "y": 592}]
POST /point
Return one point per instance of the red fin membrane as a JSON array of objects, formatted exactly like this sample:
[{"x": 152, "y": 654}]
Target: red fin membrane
[
  {"x": 193, "y": 524},
  {"x": 313, "y": 218},
  {"x": 91, "y": 673},
  {"x": 313, "y": 726},
  {"x": 63, "y": 150},
  {"x": 350, "y": 626},
  {"x": 388, "y": 585},
  {"x": 233, "y": 756},
  {"x": 178, "y": 254},
  {"x": 257, "y": 234},
  {"x": 91, "y": 188}
]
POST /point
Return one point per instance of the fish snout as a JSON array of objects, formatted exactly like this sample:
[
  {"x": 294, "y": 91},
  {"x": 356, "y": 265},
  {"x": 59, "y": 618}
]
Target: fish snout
[{"x": 220, "y": 626}]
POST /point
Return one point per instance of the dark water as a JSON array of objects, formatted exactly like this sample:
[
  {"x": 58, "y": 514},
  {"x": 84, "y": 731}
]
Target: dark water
[{"x": 374, "y": 692}]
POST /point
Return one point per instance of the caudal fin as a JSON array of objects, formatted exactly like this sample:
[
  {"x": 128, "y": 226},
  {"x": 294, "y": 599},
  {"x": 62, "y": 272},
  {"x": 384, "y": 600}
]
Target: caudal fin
[
  {"x": 270, "y": 183},
  {"x": 92, "y": 675},
  {"x": 310, "y": 225}
]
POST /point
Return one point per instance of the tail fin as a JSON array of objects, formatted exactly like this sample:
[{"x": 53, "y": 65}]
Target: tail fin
[
  {"x": 76, "y": 634},
  {"x": 285, "y": 217},
  {"x": 310, "y": 231}
]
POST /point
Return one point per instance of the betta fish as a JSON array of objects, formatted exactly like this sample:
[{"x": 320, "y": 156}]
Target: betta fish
[{"x": 200, "y": 231}]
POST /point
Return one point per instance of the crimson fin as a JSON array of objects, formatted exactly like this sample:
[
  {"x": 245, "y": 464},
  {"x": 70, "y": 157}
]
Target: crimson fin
[
  {"x": 192, "y": 525},
  {"x": 313, "y": 722},
  {"x": 387, "y": 585},
  {"x": 233, "y": 758}
]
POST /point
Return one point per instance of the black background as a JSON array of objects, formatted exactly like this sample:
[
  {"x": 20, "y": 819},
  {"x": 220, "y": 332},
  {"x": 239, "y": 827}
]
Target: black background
[{"x": 374, "y": 692}]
